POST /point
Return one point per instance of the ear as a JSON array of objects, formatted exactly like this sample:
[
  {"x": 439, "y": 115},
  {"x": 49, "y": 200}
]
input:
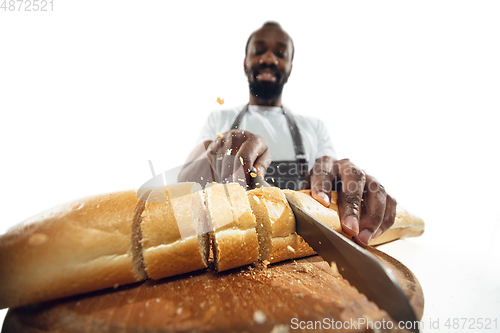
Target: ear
[{"x": 245, "y": 66}]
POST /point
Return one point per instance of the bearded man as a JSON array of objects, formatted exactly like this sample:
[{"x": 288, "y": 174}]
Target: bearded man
[{"x": 290, "y": 150}]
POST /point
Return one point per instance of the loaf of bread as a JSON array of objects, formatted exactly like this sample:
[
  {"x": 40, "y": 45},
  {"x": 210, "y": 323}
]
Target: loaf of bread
[{"x": 115, "y": 239}]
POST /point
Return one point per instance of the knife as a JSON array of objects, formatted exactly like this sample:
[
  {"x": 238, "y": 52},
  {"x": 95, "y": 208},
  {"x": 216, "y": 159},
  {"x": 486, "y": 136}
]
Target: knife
[{"x": 358, "y": 266}]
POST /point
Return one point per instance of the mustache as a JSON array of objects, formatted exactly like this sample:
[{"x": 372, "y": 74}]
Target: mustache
[{"x": 271, "y": 67}]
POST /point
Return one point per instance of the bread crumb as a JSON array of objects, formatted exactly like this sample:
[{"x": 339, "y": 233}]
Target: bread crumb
[
  {"x": 219, "y": 135},
  {"x": 291, "y": 249},
  {"x": 116, "y": 285},
  {"x": 157, "y": 300},
  {"x": 241, "y": 160},
  {"x": 179, "y": 311},
  {"x": 259, "y": 317},
  {"x": 253, "y": 174}
]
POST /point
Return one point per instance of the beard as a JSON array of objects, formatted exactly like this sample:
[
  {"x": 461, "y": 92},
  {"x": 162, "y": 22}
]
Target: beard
[{"x": 267, "y": 90}]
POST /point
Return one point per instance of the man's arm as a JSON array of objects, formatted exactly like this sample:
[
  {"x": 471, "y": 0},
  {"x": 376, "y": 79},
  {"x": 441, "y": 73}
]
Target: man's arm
[
  {"x": 197, "y": 167},
  {"x": 365, "y": 209}
]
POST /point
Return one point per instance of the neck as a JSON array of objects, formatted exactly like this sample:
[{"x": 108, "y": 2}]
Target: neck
[{"x": 265, "y": 102}]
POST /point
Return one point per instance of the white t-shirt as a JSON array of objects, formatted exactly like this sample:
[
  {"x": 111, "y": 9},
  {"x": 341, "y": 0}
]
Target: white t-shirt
[{"x": 270, "y": 123}]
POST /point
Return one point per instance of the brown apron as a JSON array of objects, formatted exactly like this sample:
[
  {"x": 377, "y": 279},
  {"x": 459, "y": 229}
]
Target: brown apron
[{"x": 285, "y": 174}]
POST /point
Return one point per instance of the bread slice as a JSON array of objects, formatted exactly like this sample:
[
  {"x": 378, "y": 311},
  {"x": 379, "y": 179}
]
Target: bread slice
[
  {"x": 278, "y": 240},
  {"x": 234, "y": 238},
  {"x": 74, "y": 248},
  {"x": 174, "y": 231}
]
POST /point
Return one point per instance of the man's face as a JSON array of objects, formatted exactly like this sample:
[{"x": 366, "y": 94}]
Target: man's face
[{"x": 268, "y": 62}]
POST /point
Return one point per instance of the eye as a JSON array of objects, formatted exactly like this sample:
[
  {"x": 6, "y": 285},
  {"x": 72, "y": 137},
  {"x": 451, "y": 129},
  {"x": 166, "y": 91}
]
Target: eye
[
  {"x": 280, "y": 54},
  {"x": 258, "y": 51}
]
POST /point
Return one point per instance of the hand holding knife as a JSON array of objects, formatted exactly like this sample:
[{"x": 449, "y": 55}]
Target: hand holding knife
[{"x": 356, "y": 264}]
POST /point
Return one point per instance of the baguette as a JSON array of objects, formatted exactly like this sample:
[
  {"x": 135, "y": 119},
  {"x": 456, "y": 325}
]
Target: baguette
[
  {"x": 115, "y": 239},
  {"x": 75, "y": 248}
]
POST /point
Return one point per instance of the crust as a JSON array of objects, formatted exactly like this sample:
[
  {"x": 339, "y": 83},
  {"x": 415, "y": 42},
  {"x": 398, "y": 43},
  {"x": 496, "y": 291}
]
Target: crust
[
  {"x": 289, "y": 247},
  {"x": 235, "y": 248},
  {"x": 75, "y": 248},
  {"x": 177, "y": 258},
  {"x": 328, "y": 216}
]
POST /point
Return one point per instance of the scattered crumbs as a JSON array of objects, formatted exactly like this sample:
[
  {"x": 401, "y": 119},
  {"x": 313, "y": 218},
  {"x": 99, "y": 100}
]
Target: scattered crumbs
[
  {"x": 147, "y": 304},
  {"x": 202, "y": 304},
  {"x": 116, "y": 285},
  {"x": 220, "y": 100},
  {"x": 266, "y": 262},
  {"x": 319, "y": 242},
  {"x": 219, "y": 135},
  {"x": 201, "y": 178},
  {"x": 157, "y": 300},
  {"x": 273, "y": 182},
  {"x": 219, "y": 159},
  {"x": 291, "y": 249},
  {"x": 259, "y": 317},
  {"x": 179, "y": 311},
  {"x": 253, "y": 174},
  {"x": 241, "y": 160}
]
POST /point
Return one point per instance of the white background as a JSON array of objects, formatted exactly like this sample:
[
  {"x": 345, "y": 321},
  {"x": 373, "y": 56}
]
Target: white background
[{"x": 409, "y": 91}]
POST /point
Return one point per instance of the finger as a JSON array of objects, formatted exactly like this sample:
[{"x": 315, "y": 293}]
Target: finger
[
  {"x": 321, "y": 179},
  {"x": 262, "y": 163},
  {"x": 389, "y": 216},
  {"x": 248, "y": 153},
  {"x": 373, "y": 210},
  {"x": 353, "y": 181},
  {"x": 212, "y": 159}
]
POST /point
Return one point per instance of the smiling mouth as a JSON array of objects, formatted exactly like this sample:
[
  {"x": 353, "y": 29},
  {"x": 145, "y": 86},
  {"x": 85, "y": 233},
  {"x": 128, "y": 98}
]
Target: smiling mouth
[{"x": 266, "y": 75}]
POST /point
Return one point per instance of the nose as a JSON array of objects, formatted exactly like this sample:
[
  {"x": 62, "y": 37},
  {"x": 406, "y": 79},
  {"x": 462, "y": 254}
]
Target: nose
[{"x": 269, "y": 58}]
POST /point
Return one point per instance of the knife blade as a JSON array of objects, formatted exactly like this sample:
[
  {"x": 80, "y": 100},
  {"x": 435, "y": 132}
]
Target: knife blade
[{"x": 358, "y": 266}]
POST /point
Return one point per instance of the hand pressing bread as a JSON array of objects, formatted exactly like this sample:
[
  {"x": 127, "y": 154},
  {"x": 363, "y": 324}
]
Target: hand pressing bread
[{"x": 115, "y": 239}]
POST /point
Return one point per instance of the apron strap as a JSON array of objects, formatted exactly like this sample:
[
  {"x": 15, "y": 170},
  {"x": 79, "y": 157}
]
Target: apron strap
[{"x": 300, "y": 152}]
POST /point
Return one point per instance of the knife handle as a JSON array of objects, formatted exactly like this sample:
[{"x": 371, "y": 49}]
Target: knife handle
[{"x": 256, "y": 180}]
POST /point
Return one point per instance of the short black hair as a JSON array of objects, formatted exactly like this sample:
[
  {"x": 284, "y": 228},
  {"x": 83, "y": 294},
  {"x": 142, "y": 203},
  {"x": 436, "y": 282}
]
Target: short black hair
[{"x": 269, "y": 24}]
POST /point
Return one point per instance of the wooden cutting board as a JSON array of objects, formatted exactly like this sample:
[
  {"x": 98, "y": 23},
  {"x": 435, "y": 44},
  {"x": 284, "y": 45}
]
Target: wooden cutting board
[{"x": 247, "y": 299}]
